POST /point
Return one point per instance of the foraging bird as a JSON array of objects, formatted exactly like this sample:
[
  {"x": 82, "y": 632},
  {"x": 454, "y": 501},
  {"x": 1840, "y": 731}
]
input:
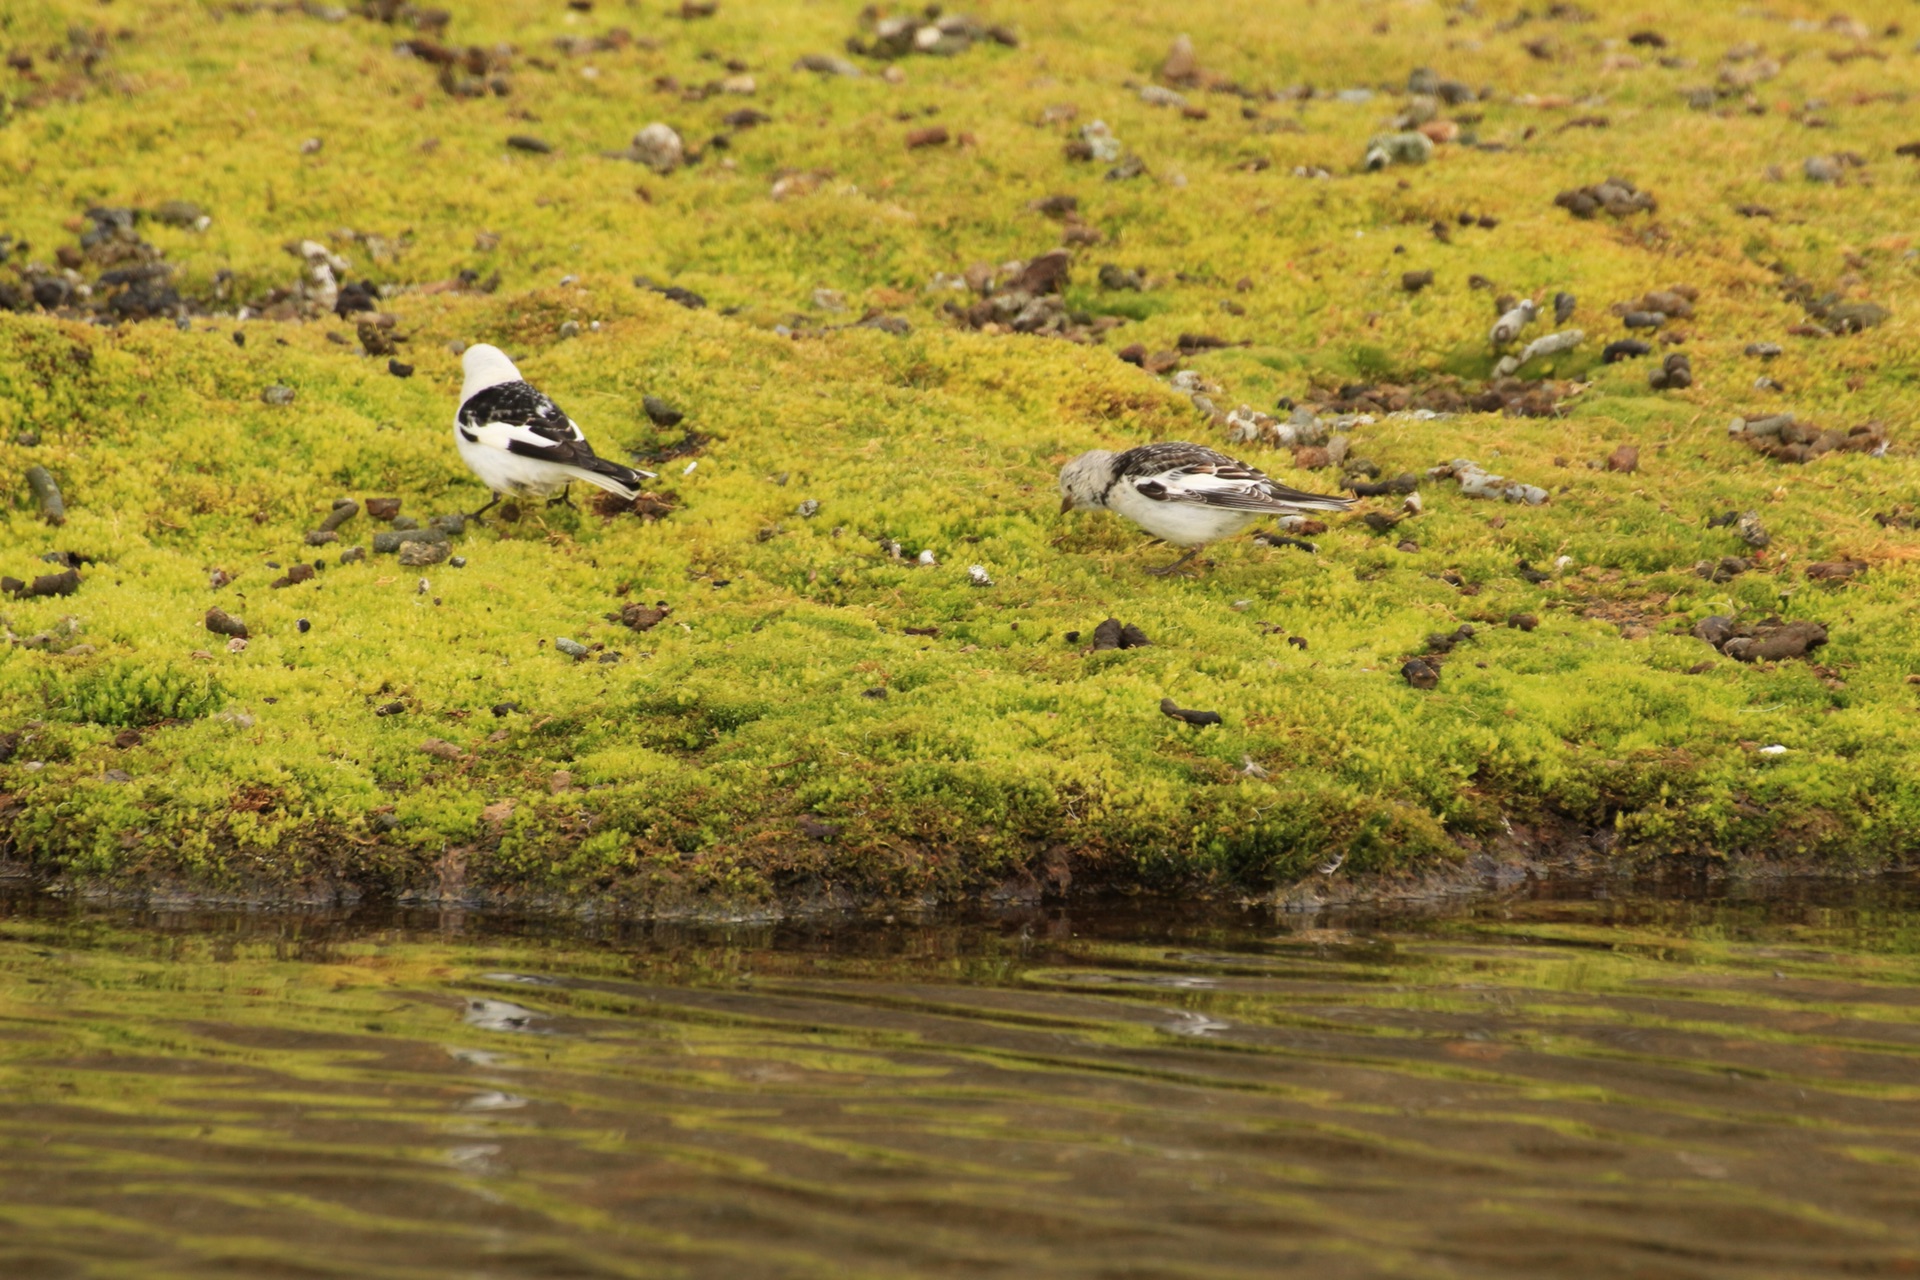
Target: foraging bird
[
  {"x": 1186, "y": 494},
  {"x": 521, "y": 443}
]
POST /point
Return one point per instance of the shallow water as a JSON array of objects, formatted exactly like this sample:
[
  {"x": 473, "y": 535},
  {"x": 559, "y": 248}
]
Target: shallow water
[{"x": 1571, "y": 1086}]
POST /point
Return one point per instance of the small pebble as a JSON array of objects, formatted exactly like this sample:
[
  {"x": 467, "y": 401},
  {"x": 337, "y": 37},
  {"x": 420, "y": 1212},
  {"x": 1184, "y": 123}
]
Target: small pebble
[
  {"x": 277, "y": 395},
  {"x": 458, "y": 562},
  {"x": 572, "y": 648},
  {"x": 303, "y": 626}
]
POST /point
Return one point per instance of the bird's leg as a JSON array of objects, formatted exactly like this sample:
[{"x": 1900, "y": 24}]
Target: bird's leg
[
  {"x": 1176, "y": 566},
  {"x": 482, "y": 511},
  {"x": 564, "y": 500}
]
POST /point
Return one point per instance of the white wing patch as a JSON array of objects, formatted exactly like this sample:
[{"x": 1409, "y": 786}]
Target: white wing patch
[{"x": 503, "y": 435}]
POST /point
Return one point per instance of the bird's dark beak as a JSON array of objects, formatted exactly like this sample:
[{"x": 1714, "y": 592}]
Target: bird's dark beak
[{"x": 1066, "y": 505}]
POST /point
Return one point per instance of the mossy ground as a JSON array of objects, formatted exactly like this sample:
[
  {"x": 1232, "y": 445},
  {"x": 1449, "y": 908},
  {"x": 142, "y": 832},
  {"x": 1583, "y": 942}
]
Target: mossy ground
[{"x": 731, "y": 750}]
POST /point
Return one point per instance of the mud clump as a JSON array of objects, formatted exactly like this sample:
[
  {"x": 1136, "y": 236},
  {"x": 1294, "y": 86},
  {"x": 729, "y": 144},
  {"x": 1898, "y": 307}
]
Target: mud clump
[
  {"x": 1114, "y": 634},
  {"x": 1768, "y": 640},
  {"x": 1616, "y": 197},
  {"x": 1785, "y": 438}
]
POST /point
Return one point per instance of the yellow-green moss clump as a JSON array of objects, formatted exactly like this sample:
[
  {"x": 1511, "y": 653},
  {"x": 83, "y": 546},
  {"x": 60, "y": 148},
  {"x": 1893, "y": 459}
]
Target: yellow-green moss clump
[{"x": 818, "y": 715}]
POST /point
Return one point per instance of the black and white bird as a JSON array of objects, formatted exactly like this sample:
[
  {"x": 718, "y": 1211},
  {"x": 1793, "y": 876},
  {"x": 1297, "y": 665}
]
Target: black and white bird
[
  {"x": 522, "y": 444},
  {"x": 1186, "y": 494}
]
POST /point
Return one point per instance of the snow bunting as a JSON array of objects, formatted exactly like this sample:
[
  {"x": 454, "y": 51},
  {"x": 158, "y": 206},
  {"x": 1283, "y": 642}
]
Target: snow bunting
[
  {"x": 1186, "y": 494},
  {"x": 519, "y": 442}
]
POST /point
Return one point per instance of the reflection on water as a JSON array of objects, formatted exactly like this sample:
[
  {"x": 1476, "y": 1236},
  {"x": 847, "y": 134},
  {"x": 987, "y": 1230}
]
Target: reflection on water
[{"x": 1573, "y": 1087}]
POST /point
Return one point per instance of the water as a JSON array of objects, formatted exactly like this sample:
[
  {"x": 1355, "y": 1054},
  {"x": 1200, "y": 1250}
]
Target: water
[{"x": 1555, "y": 1087}]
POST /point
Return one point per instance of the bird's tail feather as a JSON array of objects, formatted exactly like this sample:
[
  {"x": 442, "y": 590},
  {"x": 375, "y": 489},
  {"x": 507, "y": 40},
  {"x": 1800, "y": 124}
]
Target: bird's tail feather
[{"x": 623, "y": 482}]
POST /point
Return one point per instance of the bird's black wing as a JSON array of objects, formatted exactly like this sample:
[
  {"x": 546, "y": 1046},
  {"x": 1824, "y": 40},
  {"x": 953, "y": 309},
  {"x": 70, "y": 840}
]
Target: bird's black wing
[
  {"x": 547, "y": 433},
  {"x": 1176, "y": 471}
]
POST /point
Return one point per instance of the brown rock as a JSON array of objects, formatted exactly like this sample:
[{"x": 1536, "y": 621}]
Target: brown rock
[
  {"x": 1625, "y": 459},
  {"x": 441, "y": 749},
  {"x": 1835, "y": 570},
  {"x": 383, "y": 508},
  {"x": 222, "y": 623},
  {"x": 931, "y": 136},
  {"x": 644, "y": 617},
  {"x": 1420, "y": 675},
  {"x": 1044, "y": 274},
  {"x": 1772, "y": 644},
  {"x": 1311, "y": 457}
]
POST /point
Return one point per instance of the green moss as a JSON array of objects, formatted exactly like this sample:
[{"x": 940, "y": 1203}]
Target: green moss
[{"x": 742, "y": 748}]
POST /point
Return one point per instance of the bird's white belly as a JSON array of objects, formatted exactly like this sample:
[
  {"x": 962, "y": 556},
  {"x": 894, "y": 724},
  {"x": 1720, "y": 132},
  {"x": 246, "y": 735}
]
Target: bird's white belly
[
  {"x": 509, "y": 473},
  {"x": 1184, "y": 524}
]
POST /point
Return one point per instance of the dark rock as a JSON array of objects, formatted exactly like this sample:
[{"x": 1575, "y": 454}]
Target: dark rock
[
  {"x": 1725, "y": 569},
  {"x": 1852, "y": 317},
  {"x": 1522, "y": 621},
  {"x": 1835, "y": 570},
  {"x": 1772, "y": 644},
  {"x": 1419, "y": 674},
  {"x": 1415, "y": 281},
  {"x": 392, "y": 540},
  {"x": 383, "y": 508},
  {"x": 352, "y": 554},
  {"x": 1674, "y": 374},
  {"x": 1563, "y": 307},
  {"x": 417, "y": 553},
  {"x": 527, "y": 142},
  {"x": 294, "y": 576},
  {"x": 1625, "y": 459},
  {"x": 1625, "y": 349},
  {"x": 399, "y": 370},
  {"x": 64, "y": 583},
  {"x": 1715, "y": 630},
  {"x": 344, "y": 509},
  {"x": 222, "y": 623},
  {"x": 1197, "y": 718},
  {"x": 1404, "y": 483},
  {"x": 661, "y": 413}
]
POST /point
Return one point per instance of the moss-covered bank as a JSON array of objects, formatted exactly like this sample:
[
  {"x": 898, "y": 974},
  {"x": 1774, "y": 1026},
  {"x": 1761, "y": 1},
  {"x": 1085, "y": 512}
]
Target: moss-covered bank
[{"x": 817, "y": 715}]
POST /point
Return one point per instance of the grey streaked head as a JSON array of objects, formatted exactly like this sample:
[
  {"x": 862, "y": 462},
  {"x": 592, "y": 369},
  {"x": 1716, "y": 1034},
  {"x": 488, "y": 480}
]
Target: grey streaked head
[{"x": 1084, "y": 481}]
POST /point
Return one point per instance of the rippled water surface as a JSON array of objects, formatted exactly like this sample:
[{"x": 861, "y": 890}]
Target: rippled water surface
[{"x": 1572, "y": 1087}]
